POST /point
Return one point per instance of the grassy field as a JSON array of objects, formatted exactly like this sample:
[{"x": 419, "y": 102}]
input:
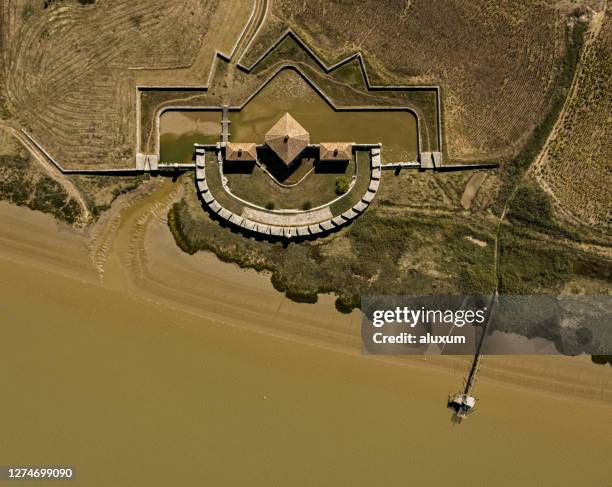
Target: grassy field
[
  {"x": 362, "y": 159},
  {"x": 413, "y": 246},
  {"x": 79, "y": 102},
  {"x": 100, "y": 192},
  {"x": 24, "y": 183},
  {"x": 387, "y": 250},
  {"x": 70, "y": 70},
  {"x": 498, "y": 63},
  {"x": 576, "y": 166},
  {"x": 315, "y": 189},
  {"x": 514, "y": 169},
  {"x": 536, "y": 265}
]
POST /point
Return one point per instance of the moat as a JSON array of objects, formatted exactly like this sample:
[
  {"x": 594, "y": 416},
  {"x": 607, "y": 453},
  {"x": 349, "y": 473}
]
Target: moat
[{"x": 395, "y": 129}]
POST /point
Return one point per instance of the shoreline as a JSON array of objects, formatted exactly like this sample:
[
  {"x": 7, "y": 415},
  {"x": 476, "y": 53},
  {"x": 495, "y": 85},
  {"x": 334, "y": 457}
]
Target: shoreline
[{"x": 143, "y": 260}]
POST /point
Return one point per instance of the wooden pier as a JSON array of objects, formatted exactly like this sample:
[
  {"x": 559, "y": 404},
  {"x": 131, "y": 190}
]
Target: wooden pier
[{"x": 463, "y": 404}]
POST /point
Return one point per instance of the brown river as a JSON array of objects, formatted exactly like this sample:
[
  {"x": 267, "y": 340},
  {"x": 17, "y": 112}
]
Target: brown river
[{"x": 139, "y": 365}]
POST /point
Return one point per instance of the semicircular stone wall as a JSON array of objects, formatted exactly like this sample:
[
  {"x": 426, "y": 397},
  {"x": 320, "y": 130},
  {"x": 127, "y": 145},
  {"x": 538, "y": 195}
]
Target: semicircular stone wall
[{"x": 289, "y": 226}]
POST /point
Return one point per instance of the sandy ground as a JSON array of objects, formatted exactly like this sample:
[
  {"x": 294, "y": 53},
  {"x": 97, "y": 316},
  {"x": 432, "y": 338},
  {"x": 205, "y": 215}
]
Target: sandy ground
[{"x": 130, "y": 249}]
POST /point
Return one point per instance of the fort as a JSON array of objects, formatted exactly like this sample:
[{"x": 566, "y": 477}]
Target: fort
[
  {"x": 279, "y": 154},
  {"x": 287, "y": 140},
  {"x": 280, "y": 157}
]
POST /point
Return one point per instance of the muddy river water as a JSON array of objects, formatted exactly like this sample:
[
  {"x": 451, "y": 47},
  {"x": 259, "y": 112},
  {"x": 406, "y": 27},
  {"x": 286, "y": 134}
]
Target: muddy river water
[{"x": 153, "y": 367}]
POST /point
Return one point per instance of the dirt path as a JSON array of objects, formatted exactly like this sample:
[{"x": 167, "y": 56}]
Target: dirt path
[
  {"x": 541, "y": 157},
  {"x": 52, "y": 171},
  {"x": 260, "y": 12},
  {"x": 529, "y": 171}
]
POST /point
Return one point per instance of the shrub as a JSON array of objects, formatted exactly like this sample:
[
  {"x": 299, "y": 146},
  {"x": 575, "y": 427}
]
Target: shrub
[
  {"x": 180, "y": 237},
  {"x": 513, "y": 170},
  {"x": 307, "y": 205},
  {"x": 136, "y": 20},
  {"x": 278, "y": 283},
  {"x": 270, "y": 205},
  {"x": 347, "y": 303},
  {"x": 602, "y": 359},
  {"x": 301, "y": 296},
  {"x": 342, "y": 185},
  {"x": 531, "y": 205}
]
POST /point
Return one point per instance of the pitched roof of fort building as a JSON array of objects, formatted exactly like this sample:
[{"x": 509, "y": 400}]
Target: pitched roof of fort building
[
  {"x": 287, "y": 138},
  {"x": 335, "y": 151},
  {"x": 240, "y": 151}
]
